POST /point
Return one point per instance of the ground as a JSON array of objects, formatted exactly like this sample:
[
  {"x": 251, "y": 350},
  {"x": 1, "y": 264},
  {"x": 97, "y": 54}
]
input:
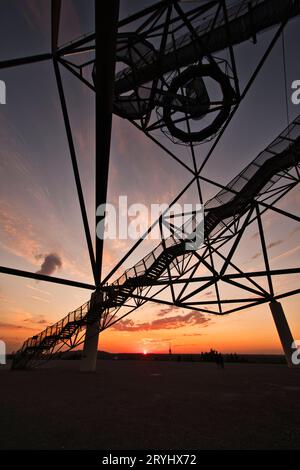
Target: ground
[{"x": 150, "y": 405}]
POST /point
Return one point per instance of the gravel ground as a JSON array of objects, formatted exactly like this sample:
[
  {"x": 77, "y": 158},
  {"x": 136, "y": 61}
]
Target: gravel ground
[{"x": 150, "y": 405}]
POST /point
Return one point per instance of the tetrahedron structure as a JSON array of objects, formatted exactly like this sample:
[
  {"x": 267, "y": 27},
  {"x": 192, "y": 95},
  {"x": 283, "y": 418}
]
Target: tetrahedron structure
[{"x": 171, "y": 70}]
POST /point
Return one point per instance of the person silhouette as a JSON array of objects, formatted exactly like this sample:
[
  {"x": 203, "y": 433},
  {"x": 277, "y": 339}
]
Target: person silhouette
[{"x": 221, "y": 360}]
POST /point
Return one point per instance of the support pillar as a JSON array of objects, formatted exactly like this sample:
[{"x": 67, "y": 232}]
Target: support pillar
[
  {"x": 283, "y": 330},
  {"x": 106, "y": 27},
  {"x": 90, "y": 348}
]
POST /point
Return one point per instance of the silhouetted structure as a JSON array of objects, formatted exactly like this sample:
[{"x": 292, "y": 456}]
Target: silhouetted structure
[{"x": 169, "y": 51}]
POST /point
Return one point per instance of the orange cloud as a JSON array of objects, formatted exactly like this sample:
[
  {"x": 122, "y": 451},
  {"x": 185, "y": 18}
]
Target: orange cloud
[{"x": 178, "y": 321}]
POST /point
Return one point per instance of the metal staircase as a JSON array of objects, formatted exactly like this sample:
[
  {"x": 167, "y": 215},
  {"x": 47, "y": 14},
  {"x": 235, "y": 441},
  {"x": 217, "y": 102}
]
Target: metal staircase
[
  {"x": 245, "y": 20},
  {"x": 112, "y": 297},
  {"x": 232, "y": 201}
]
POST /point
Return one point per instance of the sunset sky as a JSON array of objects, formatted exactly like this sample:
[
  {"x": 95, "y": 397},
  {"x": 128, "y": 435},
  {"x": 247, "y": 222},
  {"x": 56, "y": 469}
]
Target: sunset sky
[{"x": 39, "y": 210}]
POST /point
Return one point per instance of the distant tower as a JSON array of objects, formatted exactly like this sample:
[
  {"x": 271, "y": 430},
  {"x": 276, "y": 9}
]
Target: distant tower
[{"x": 170, "y": 350}]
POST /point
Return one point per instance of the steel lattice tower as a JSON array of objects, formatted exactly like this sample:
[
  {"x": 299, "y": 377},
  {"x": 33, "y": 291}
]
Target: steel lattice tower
[{"x": 170, "y": 51}]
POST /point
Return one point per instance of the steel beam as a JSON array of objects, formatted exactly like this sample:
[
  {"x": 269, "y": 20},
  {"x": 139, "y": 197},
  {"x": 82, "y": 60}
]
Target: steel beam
[
  {"x": 5, "y": 64},
  {"x": 106, "y": 38},
  {"x": 42, "y": 277},
  {"x": 75, "y": 166},
  {"x": 55, "y": 17},
  {"x": 284, "y": 331},
  {"x": 106, "y": 26}
]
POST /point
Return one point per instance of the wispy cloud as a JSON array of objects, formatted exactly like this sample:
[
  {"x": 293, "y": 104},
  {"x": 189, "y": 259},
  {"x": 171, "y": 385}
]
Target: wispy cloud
[
  {"x": 166, "y": 311},
  {"x": 286, "y": 253},
  {"x": 155, "y": 341},
  {"x": 37, "y": 15},
  {"x": 294, "y": 231},
  {"x": 37, "y": 289},
  {"x": 193, "y": 334},
  {"x": 276, "y": 243},
  {"x": 39, "y": 299},
  {"x": 14, "y": 326},
  {"x": 20, "y": 237},
  {"x": 36, "y": 319},
  {"x": 269, "y": 246},
  {"x": 17, "y": 233}
]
